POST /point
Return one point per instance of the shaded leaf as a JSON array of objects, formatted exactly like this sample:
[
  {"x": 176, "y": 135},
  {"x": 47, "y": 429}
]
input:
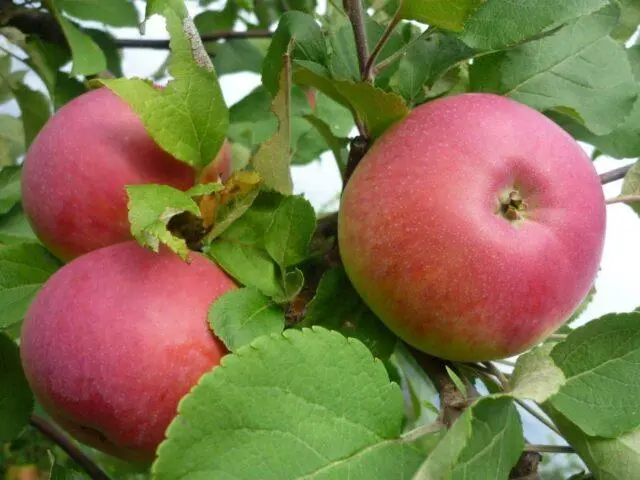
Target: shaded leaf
[{"x": 16, "y": 399}]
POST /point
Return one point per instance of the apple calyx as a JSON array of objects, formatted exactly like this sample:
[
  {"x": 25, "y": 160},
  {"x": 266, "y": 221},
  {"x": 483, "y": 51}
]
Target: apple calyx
[{"x": 512, "y": 205}]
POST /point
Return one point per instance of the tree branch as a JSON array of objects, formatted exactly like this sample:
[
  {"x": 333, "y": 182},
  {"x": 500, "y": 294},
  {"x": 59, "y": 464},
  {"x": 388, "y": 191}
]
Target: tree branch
[
  {"x": 614, "y": 175},
  {"x": 209, "y": 37},
  {"x": 548, "y": 448},
  {"x": 60, "y": 439},
  {"x": 623, "y": 199},
  {"x": 369, "y": 67},
  {"x": 355, "y": 12},
  {"x": 539, "y": 416}
]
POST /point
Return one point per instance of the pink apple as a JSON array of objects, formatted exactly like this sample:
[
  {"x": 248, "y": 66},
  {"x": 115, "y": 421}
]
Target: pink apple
[
  {"x": 76, "y": 170},
  {"x": 116, "y": 338},
  {"x": 473, "y": 227}
]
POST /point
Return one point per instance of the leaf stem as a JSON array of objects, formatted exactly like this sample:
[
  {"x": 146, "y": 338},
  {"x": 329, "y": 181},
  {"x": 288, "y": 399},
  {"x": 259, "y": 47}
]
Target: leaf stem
[
  {"x": 548, "y": 448},
  {"x": 539, "y": 416},
  {"x": 623, "y": 199},
  {"x": 496, "y": 372},
  {"x": 369, "y": 67},
  {"x": 60, "y": 439},
  {"x": 614, "y": 175},
  {"x": 421, "y": 431},
  {"x": 355, "y": 12}
]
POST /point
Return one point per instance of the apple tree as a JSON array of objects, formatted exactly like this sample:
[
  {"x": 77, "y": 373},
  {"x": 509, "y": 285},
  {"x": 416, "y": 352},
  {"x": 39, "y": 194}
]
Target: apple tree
[{"x": 171, "y": 306}]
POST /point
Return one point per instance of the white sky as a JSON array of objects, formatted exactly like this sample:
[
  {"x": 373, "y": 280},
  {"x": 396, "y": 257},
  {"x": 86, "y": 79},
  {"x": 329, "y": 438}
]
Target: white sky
[{"x": 618, "y": 283}]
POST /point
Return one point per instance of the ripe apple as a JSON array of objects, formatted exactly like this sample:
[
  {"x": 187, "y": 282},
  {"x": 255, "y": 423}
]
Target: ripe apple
[
  {"x": 76, "y": 170},
  {"x": 473, "y": 227},
  {"x": 116, "y": 338}
]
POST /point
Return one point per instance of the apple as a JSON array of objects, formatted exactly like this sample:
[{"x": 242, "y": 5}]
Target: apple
[
  {"x": 116, "y": 338},
  {"x": 473, "y": 227},
  {"x": 76, "y": 170}
]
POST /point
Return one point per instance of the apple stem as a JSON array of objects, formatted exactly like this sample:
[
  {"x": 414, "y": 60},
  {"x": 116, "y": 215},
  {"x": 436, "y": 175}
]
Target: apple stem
[
  {"x": 623, "y": 199},
  {"x": 539, "y": 416},
  {"x": 548, "y": 448},
  {"x": 60, "y": 439}
]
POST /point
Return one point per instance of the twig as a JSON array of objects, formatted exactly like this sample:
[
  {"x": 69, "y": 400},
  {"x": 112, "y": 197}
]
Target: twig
[
  {"x": 210, "y": 37},
  {"x": 60, "y": 439},
  {"x": 421, "y": 431},
  {"x": 623, "y": 199},
  {"x": 541, "y": 418},
  {"x": 496, "y": 372},
  {"x": 549, "y": 448},
  {"x": 402, "y": 50},
  {"x": 614, "y": 175},
  {"x": 355, "y": 12},
  {"x": 369, "y": 67}
]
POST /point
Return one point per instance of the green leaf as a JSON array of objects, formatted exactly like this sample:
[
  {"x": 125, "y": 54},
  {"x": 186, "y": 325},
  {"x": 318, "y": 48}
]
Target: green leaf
[
  {"x": 214, "y": 20},
  {"x": 8, "y": 78},
  {"x": 535, "y": 376},
  {"x": 188, "y": 118},
  {"x": 160, "y": 7},
  {"x": 35, "y": 109},
  {"x": 487, "y": 29},
  {"x": 11, "y": 140},
  {"x": 16, "y": 399},
  {"x": 287, "y": 238},
  {"x": 117, "y": 13},
  {"x": 377, "y": 109},
  {"x": 607, "y": 458},
  {"x": 112, "y": 52},
  {"x": 629, "y": 20},
  {"x": 9, "y": 188},
  {"x": 337, "y": 306},
  {"x": 87, "y": 55},
  {"x": 238, "y": 56},
  {"x": 424, "y": 61},
  {"x": 240, "y": 316},
  {"x": 14, "y": 227},
  {"x": 457, "y": 381},
  {"x": 273, "y": 158},
  {"x": 343, "y": 415},
  {"x": 24, "y": 267},
  {"x": 230, "y": 212},
  {"x": 447, "y": 14},
  {"x": 150, "y": 209},
  {"x": 631, "y": 185},
  {"x": 308, "y": 45},
  {"x": 600, "y": 362},
  {"x": 337, "y": 145},
  {"x": 580, "y": 68},
  {"x": 485, "y": 442}
]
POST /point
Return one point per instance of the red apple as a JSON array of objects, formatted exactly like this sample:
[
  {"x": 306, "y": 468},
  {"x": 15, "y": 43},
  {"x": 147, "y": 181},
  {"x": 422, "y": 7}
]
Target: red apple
[
  {"x": 220, "y": 168},
  {"x": 76, "y": 170},
  {"x": 116, "y": 338},
  {"x": 473, "y": 228}
]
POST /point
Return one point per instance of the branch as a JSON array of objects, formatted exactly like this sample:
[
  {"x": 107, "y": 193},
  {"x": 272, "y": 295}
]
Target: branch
[
  {"x": 355, "y": 12},
  {"x": 540, "y": 417},
  {"x": 60, "y": 439},
  {"x": 549, "y": 448},
  {"x": 369, "y": 67},
  {"x": 614, "y": 175},
  {"x": 623, "y": 199},
  {"x": 209, "y": 37}
]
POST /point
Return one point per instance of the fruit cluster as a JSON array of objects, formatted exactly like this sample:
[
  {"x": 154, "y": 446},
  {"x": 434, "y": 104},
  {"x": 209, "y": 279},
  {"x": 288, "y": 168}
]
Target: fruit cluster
[{"x": 473, "y": 228}]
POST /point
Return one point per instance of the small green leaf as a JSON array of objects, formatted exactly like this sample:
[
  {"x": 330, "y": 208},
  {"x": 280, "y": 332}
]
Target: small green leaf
[
  {"x": 230, "y": 212},
  {"x": 273, "y": 158},
  {"x": 631, "y": 185},
  {"x": 600, "y": 362},
  {"x": 117, "y": 13},
  {"x": 16, "y": 399},
  {"x": 447, "y": 14},
  {"x": 535, "y": 376},
  {"x": 308, "y": 44},
  {"x": 457, "y": 381},
  {"x": 11, "y": 140},
  {"x": 579, "y": 67},
  {"x": 629, "y": 20},
  {"x": 287, "y": 239},
  {"x": 88, "y": 58},
  {"x": 24, "y": 267},
  {"x": 35, "y": 109},
  {"x": 487, "y": 28},
  {"x": 485, "y": 442},
  {"x": 188, "y": 118},
  {"x": 343, "y": 415},
  {"x": 240, "y": 316},
  {"x": 204, "y": 189},
  {"x": 9, "y": 188},
  {"x": 109, "y": 46},
  {"x": 150, "y": 209},
  {"x": 377, "y": 109}
]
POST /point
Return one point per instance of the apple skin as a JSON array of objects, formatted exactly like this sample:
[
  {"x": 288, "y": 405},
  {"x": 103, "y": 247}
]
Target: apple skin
[
  {"x": 220, "y": 168},
  {"x": 76, "y": 170},
  {"x": 424, "y": 244},
  {"x": 116, "y": 338}
]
